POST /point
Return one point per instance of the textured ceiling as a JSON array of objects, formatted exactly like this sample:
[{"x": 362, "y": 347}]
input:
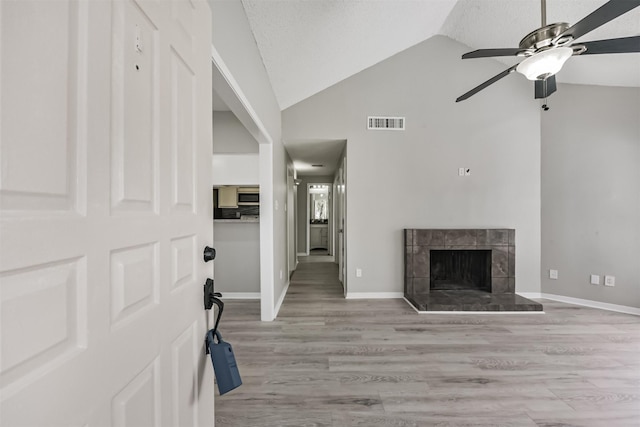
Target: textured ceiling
[{"x": 309, "y": 45}]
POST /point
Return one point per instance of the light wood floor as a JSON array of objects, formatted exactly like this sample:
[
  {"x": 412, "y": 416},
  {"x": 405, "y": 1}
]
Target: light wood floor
[{"x": 327, "y": 361}]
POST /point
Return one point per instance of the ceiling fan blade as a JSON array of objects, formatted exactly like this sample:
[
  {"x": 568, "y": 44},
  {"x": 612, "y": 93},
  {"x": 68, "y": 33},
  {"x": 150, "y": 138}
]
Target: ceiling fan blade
[
  {"x": 600, "y": 16},
  {"x": 621, "y": 45},
  {"x": 487, "y": 53},
  {"x": 487, "y": 83},
  {"x": 546, "y": 87}
]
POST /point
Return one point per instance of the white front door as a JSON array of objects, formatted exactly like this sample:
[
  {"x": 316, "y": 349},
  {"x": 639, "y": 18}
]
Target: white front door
[{"x": 105, "y": 204}]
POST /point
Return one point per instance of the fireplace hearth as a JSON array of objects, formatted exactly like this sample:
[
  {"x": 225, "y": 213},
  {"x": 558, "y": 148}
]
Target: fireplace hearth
[{"x": 462, "y": 270}]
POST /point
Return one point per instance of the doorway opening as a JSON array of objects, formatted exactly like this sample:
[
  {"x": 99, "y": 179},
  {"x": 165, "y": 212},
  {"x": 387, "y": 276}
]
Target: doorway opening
[{"x": 319, "y": 221}]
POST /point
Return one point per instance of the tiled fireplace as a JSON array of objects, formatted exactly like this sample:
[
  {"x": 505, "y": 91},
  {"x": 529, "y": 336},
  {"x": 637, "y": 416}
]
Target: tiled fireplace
[{"x": 462, "y": 270}]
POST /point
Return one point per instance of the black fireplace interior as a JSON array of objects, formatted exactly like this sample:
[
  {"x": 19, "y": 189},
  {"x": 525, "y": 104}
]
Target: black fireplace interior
[{"x": 460, "y": 269}]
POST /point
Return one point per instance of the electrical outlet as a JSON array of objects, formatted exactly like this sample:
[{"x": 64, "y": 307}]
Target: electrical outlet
[
  {"x": 358, "y": 272},
  {"x": 460, "y": 171},
  {"x": 595, "y": 279},
  {"x": 553, "y": 274},
  {"x": 609, "y": 280}
]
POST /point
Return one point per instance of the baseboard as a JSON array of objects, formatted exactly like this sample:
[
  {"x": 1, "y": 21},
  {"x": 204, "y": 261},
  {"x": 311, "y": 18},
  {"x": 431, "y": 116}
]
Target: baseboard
[
  {"x": 587, "y": 303},
  {"x": 281, "y": 300},
  {"x": 303, "y": 254},
  {"x": 374, "y": 295},
  {"x": 530, "y": 295},
  {"x": 240, "y": 295}
]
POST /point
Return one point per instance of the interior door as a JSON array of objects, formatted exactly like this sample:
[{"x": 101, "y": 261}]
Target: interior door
[{"x": 105, "y": 202}]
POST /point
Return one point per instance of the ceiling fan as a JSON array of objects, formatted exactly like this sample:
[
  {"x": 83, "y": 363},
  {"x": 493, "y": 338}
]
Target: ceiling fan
[{"x": 546, "y": 49}]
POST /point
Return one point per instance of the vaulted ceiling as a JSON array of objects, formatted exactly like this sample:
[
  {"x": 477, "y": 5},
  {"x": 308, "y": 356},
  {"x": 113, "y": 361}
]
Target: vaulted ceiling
[{"x": 309, "y": 45}]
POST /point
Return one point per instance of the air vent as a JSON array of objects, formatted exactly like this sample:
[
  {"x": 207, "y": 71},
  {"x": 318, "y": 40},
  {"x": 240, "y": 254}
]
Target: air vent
[{"x": 385, "y": 123}]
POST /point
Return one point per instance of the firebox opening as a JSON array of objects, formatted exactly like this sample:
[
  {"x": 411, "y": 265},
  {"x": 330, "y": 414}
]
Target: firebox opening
[{"x": 460, "y": 269}]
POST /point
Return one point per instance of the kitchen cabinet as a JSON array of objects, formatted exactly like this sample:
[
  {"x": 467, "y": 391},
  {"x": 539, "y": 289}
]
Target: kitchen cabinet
[{"x": 228, "y": 197}]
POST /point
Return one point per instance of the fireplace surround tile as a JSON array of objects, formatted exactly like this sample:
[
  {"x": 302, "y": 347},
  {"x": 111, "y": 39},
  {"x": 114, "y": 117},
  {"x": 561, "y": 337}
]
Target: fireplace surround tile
[
  {"x": 408, "y": 286},
  {"x": 499, "y": 262},
  {"x": 501, "y": 242},
  {"x": 408, "y": 237},
  {"x": 512, "y": 261},
  {"x": 498, "y": 237},
  {"x": 460, "y": 237},
  {"x": 428, "y": 237},
  {"x": 421, "y": 285},
  {"x": 408, "y": 262},
  {"x": 499, "y": 285},
  {"x": 482, "y": 237},
  {"x": 421, "y": 261},
  {"x": 460, "y": 247}
]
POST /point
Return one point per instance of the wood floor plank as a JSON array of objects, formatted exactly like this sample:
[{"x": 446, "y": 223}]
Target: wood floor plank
[{"x": 328, "y": 361}]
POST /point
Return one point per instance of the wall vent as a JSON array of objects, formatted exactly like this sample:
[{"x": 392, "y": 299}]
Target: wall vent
[{"x": 385, "y": 123}]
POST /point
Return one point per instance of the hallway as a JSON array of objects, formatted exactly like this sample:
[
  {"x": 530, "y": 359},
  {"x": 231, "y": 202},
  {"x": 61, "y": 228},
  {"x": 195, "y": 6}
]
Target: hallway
[{"x": 328, "y": 361}]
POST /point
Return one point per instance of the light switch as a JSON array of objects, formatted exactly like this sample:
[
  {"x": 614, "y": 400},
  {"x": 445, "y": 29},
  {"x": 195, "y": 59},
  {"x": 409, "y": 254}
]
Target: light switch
[
  {"x": 609, "y": 280},
  {"x": 553, "y": 274},
  {"x": 595, "y": 279}
]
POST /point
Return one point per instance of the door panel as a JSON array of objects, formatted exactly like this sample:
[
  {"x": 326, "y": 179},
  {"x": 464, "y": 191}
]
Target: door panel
[
  {"x": 57, "y": 292},
  {"x": 44, "y": 111},
  {"x": 135, "y": 112},
  {"x": 134, "y": 282},
  {"x": 104, "y": 208},
  {"x": 184, "y": 354},
  {"x": 138, "y": 404},
  {"x": 182, "y": 98}
]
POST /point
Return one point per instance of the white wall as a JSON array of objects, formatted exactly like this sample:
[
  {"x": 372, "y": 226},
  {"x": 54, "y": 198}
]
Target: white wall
[
  {"x": 235, "y": 152},
  {"x": 237, "y": 264},
  {"x": 409, "y": 179},
  {"x": 230, "y": 136},
  {"x": 591, "y": 193}
]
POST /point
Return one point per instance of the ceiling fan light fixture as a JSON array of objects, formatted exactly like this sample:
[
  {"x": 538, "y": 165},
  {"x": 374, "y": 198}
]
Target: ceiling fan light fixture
[{"x": 544, "y": 64}]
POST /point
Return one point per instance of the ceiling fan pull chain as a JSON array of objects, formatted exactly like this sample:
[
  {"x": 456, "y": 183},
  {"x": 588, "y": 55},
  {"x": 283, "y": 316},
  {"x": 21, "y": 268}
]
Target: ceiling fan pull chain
[{"x": 545, "y": 107}]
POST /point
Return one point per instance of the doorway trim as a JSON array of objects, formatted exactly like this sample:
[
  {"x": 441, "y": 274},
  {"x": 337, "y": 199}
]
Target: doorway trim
[{"x": 231, "y": 93}]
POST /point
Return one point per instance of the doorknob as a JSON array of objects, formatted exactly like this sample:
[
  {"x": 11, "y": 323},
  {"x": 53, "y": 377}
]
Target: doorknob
[
  {"x": 209, "y": 254},
  {"x": 209, "y": 295}
]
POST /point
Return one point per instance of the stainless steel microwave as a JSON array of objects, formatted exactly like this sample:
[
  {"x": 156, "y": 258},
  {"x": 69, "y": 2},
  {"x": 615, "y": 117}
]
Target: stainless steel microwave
[{"x": 248, "y": 197}]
